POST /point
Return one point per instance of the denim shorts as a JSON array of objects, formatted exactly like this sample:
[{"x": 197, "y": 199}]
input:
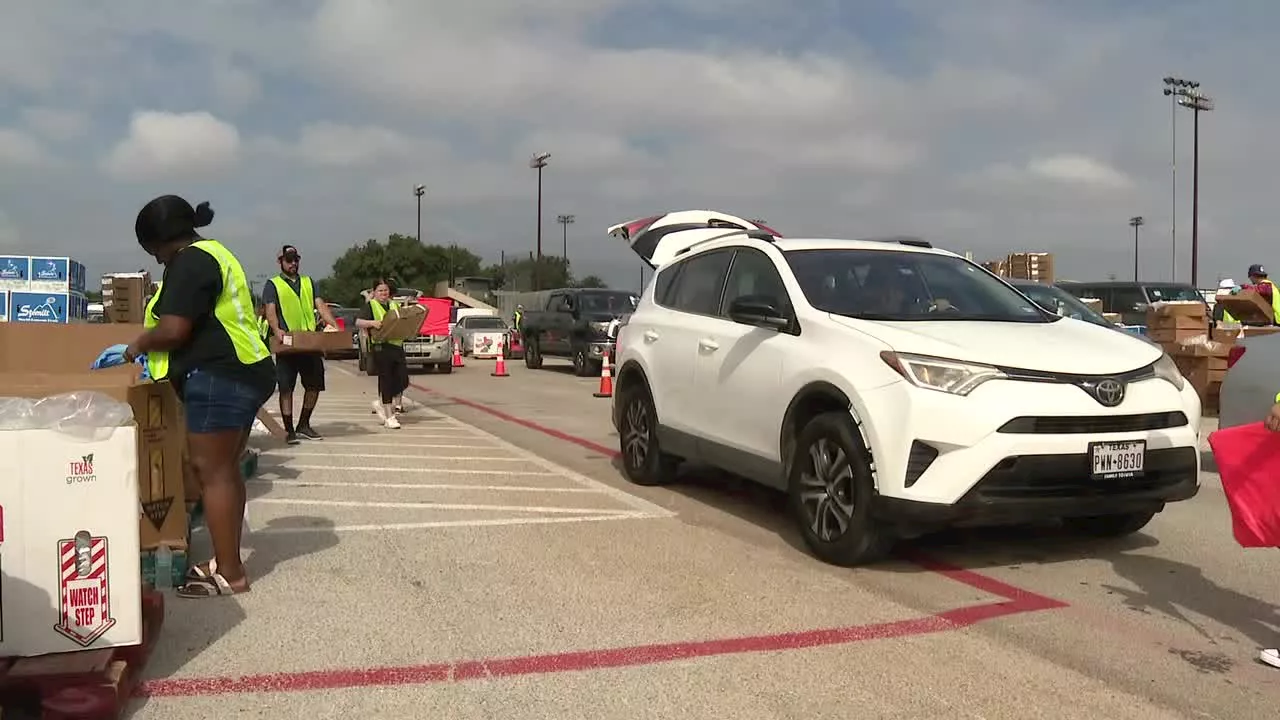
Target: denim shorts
[{"x": 215, "y": 403}]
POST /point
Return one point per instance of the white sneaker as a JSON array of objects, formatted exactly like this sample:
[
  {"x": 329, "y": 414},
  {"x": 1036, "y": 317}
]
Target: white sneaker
[
  {"x": 392, "y": 423},
  {"x": 1270, "y": 656},
  {"x": 379, "y": 411}
]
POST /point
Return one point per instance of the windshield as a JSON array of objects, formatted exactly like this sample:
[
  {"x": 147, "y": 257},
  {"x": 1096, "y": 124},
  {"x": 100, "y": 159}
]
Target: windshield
[
  {"x": 1059, "y": 301},
  {"x": 607, "y": 302},
  {"x": 485, "y": 323},
  {"x": 1173, "y": 293},
  {"x": 906, "y": 286}
]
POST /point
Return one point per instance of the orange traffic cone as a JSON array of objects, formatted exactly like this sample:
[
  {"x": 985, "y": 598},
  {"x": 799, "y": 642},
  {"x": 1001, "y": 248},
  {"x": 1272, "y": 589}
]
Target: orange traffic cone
[
  {"x": 457, "y": 353},
  {"x": 606, "y": 379},
  {"x": 500, "y": 365}
]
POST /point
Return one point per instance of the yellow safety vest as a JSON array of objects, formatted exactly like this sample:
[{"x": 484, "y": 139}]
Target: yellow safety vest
[
  {"x": 378, "y": 313},
  {"x": 1275, "y": 299},
  {"x": 264, "y": 327},
  {"x": 157, "y": 360},
  {"x": 298, "y": 309}
]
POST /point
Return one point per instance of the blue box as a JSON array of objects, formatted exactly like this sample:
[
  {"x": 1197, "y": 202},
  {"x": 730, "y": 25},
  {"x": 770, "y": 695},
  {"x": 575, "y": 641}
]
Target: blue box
[
  {"x": 4, "y": 306},
  {"x": 48, "y": 307},
  {"x": 15, "y": 272},
  {"x": 50, "y": 274}
]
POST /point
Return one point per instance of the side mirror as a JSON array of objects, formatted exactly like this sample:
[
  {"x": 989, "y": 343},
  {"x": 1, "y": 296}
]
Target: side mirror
[{"x": 759, "y": 311}]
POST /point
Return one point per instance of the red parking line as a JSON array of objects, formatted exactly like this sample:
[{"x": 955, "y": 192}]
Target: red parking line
[{"x": 1015, "y": 601}]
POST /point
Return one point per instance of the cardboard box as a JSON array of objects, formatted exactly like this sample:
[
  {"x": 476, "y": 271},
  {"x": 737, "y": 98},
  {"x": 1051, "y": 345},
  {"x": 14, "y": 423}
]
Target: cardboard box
[
  {"x": 1175, "y": 335},
  {"x": 1111, "y": 317},
  {"x": 1094, "y": 304},
  {"x": 1174, "y": 308},
  {"x": 71, "y": 577},
  {"x": 161, "y": 434},
  {"x": 1247, "y": 306},
  {"x": 319, "y": 341},
  {"x": 1156, "y": 321},
  {"x": 403, "y": 323},
  {"x": 1256, "y": 331},
  {"x": 1225, "y": 335}
]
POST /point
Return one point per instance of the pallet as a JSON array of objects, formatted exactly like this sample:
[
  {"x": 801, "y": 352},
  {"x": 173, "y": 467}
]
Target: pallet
[
  {"x": 81, "y": 685},
  {"x": 180, "y": 561}
]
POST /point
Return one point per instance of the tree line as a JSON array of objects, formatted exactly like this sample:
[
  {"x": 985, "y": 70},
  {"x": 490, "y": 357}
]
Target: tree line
[{"x": 408, "y": 263}]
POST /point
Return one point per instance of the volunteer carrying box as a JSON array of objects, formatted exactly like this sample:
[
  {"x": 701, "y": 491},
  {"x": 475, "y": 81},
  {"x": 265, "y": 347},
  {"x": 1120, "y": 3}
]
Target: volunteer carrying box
[
  {"x": 402, "y": 323},
  {"x": 311, "y": 342},
  {"x": 69, "y": 572}
]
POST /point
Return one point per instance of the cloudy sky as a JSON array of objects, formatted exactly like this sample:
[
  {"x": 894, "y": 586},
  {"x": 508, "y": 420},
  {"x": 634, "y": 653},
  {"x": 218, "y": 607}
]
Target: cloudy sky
[{"x": 984, "y": 125}]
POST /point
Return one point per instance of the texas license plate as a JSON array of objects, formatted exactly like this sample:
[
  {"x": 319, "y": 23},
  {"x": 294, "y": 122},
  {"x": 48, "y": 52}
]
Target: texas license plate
[
  {"x": 413, "y": 347},
  {"x": 1109, "y": 460}
]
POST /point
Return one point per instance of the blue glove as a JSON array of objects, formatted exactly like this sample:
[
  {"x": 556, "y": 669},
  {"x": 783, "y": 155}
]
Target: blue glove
[{"x": 111, "y": 357}]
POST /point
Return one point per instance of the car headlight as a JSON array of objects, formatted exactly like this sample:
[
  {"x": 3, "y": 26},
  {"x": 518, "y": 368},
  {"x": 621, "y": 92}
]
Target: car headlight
[
  {"x": 1166, "y": 369},
  {"x": 948, "y": 376},
  {"x": 600, "y": 327}
]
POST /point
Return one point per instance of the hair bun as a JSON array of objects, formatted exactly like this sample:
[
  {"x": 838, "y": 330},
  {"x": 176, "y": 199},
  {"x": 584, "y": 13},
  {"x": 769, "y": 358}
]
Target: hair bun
[{"x": 204, "y": 215}]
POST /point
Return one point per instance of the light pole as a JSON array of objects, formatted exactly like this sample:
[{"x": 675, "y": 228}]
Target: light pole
[
  {"x": 565, "y": 221},
  {"x": 537, "y": 162},
  {"x": 418, "y": 192},
  {"x": 1135, "y": 222},
  {"x": 1187, "y": 94},
  {"x": 1170, "y": 85}
]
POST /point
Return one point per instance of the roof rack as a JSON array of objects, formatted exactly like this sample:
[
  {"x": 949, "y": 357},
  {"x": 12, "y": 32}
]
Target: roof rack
[
  {"x": 902, "y": 240},
  {"x": 716, "y": 223}
]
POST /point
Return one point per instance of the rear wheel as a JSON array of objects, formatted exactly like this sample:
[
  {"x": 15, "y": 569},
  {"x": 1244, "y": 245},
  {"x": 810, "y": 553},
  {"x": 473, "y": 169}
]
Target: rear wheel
[
  {"x": 643, "y": 460},
  {"x": 1108, "y": 526},
  {"x": 445, "y": 368},
  {"x": 831, "y": 491},
  {"x": 581, "y": 363},
  {"x": 532, "y": 355}
]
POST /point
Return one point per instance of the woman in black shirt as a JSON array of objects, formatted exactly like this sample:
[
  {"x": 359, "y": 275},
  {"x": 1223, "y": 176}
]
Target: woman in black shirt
[
  {"x": 220, "y": 368},
  {"x": 388, "y": 358}
]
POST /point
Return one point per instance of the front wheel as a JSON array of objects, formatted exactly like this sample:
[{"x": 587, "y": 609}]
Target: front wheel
[
  {"x": 831, "y": 490},
  {"x": 581, "y": 363},
  {"x": 643, "y": 460},
  {"x": 1107, "y": 526},
  {"x": 532, "y": 355}
]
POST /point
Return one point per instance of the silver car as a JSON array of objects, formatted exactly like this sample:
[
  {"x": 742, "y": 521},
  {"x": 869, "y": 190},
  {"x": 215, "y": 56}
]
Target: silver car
[{"x": 466, "y": 331}]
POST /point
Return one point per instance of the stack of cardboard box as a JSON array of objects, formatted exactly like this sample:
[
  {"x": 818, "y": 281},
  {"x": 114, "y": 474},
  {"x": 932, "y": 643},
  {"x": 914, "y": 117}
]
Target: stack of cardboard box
[
  {"x": 124, "y": 296},
  {"x": 1182, "y": 329}
]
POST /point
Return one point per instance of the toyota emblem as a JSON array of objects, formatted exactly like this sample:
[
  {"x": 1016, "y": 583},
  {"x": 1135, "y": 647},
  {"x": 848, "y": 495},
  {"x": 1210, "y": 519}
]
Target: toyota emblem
[{"x": 1109, "y": 393}]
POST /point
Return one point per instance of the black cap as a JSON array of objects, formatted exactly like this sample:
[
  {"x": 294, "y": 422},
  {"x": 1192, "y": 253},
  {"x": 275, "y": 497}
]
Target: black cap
[
  {"x": 289, "y": 251},
  {"x": 1257, "y": 270}
]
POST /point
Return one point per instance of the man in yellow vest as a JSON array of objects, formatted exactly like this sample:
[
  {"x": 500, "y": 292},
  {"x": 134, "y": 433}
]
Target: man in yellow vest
[
  {"x": 1266, "y": 288},
  {"x": 291, "y": 306}
]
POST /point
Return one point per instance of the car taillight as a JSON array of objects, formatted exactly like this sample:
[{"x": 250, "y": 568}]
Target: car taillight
[{"x": 1234, "y": 354}]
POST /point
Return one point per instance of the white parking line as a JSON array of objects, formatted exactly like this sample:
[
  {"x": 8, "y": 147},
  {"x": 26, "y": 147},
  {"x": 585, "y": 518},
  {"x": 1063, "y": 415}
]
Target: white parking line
[
  {"x": 418, "y": 470},
  {"x": 352, "y": 443},
  {"x": 554, "y": 509},
  {"x": 486, "y": 458},
  {"x": 432, "y": 486},
  {"x": 498, "y": 522}
]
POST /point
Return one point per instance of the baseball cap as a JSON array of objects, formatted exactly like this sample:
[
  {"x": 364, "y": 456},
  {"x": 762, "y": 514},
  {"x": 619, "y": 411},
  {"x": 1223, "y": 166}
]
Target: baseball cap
[
  {"x": 1257, "y": 270},
  {"x": 288, "y": 251}
]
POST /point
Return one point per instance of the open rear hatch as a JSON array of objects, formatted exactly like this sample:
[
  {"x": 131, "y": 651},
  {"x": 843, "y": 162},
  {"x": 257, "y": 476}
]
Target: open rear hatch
[{"x": 660, "y": 238}]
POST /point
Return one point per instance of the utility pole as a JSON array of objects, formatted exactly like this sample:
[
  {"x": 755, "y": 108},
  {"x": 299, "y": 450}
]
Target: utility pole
[
  {"x": 1171, "y": 84},
  {"x": 419, "y": 191},
  {"x": 1189, "y": 96},
  {"x": 537, "y": 162},
  {"x": 1135, "y": 222},
  {"x": 565, "y": 221}
]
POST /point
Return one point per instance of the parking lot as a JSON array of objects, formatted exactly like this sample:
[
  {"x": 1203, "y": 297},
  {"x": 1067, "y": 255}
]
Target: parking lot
[{"x": 488, "y": 560}]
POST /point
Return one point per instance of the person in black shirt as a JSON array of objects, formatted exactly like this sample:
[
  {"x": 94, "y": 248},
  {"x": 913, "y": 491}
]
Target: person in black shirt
[
  {"x": 388, "y": 358},
  {"x": 218, "y": 365}
]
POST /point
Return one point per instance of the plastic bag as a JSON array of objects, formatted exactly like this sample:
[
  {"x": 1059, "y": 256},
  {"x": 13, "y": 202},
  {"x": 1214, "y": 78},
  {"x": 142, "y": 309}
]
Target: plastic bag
[
  {"x": 82, "y": 409},
  {"x": 1248, "y": 459}
]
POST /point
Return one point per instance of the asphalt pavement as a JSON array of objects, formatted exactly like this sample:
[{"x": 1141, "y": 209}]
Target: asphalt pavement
[{"x": 488, "y": 560}]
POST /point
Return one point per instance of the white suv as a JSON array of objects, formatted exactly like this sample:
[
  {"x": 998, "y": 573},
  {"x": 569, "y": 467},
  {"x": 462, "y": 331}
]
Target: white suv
[{"x": 889, "y": 388}]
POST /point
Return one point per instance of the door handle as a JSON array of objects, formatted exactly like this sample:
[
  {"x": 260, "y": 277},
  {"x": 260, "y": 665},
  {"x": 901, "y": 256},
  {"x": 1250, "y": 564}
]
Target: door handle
[
  {"x": 709, "y": 344},
  {"x": 650, "y": 336}
]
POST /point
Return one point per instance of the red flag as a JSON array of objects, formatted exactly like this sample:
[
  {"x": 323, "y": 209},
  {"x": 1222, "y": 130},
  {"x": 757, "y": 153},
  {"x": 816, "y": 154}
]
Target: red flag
[{"x": 1248, "y": 459}]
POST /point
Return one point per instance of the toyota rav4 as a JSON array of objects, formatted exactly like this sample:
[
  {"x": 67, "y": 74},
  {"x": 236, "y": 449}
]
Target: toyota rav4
[{"x": 890, "y": 388}]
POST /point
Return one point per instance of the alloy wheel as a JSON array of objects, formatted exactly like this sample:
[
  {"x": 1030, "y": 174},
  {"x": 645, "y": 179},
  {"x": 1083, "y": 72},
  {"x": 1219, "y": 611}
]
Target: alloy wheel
[
  {"x": 827, "y": 490},
  {"x": 636, "y": 434}
]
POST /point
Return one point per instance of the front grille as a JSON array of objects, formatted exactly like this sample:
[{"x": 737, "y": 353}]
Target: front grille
[
  {"x": 921, "y": 457},
  {"x": 1093, "y": 424},
  {"x": 1030, "y": 477}
]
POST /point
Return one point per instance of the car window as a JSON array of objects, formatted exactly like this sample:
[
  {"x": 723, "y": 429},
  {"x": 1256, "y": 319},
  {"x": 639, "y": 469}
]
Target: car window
[
  {"x": 1126, "y": 299},
  {"x": 903, "y": 286},
  {"x": 698, "y": 288},
  {"x": 557, "y": 303},
  {"x": 607, "y": 302},
  {"x": 754, "y": 274},
  {"x": 1057, "y": 300},
  {"x": 665, "y": 281},
  {"x": 485, "y": 323},
  {"x": 1172, "y": 293}
]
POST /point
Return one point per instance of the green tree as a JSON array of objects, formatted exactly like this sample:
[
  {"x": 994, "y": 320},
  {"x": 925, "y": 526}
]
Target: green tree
[
  {"x": 553, "y": 272},
  {"x": 402, "y": 260},
  {"x": 590, "y": 281}
]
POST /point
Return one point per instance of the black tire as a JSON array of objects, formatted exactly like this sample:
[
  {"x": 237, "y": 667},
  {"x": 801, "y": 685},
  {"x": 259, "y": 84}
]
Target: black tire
[
  {"x": 533, "y": 355},
  {"x": 581, "y": 365},
  {"x": 824, "y": 500},
  {"x": 370, "y": 367},
  {"x": 1107, "y": 526},
  {"x": 643, "y": 460},
  {"x": 445, "y": 368}
]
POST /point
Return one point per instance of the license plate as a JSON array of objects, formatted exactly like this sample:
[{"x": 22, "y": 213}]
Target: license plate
[
  {"x": 1109, "y": 460},
  {"x": 413, "y": 347}
]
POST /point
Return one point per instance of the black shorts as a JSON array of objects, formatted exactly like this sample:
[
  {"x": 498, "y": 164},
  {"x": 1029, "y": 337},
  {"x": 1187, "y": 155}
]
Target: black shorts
[{"x": 308, "y": 366}]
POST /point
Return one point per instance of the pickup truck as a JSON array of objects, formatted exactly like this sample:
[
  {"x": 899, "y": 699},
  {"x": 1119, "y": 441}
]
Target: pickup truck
[
  {"x": 575, "y": 323},
  {"x": 432, "y": 349}
]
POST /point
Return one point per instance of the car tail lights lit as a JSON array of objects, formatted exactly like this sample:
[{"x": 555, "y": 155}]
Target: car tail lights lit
[{"x": 1234, "y": 354}]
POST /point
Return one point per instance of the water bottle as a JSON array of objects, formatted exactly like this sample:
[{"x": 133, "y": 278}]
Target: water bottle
[{"x": 164, "y": 568}]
